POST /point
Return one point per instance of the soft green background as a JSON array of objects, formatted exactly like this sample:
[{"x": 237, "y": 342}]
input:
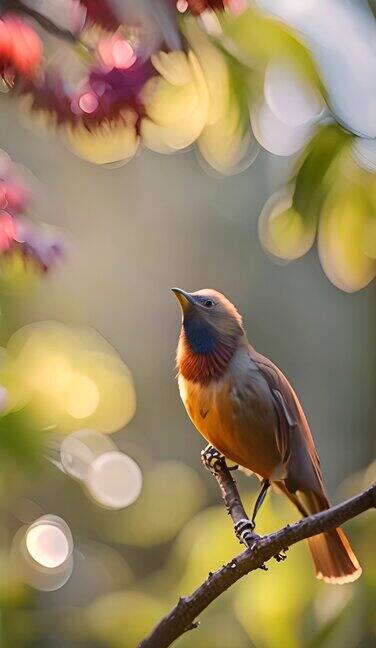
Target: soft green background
[{"x": 135, "y": 232}]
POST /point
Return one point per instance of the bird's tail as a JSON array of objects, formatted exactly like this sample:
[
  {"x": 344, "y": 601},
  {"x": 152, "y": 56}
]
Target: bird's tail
[{"x": 334, "y": 560}]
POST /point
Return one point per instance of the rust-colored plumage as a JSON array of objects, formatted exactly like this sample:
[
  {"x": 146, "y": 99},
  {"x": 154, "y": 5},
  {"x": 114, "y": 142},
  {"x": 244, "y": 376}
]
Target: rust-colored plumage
[
  {"x": 245, "y": 407},
  {"x": 203, "y": 368}
]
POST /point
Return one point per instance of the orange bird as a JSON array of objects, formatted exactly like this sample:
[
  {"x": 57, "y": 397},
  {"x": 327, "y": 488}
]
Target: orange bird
[{"x": 244, "y": 406}]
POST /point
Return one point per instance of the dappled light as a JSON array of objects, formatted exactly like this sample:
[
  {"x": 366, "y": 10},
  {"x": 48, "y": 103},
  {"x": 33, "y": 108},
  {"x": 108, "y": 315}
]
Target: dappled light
[
  {"x": 70, "y": 376},
  {"x": 162, "y": 482}
]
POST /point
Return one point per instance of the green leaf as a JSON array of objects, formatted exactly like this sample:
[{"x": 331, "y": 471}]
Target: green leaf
[
  {"x": 20, "y": 442},
  {"x": 259, "y": 38},
  {"x": 314, "y": 165}
]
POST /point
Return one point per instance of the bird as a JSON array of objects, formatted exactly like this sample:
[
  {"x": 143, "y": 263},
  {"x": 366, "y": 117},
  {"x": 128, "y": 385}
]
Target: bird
[{"x": 246, "y": 409}]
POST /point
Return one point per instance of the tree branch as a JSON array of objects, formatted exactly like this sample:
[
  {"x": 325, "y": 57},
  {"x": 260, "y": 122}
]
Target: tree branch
[
  {"x": 242, "y": 525},
  {"x": 182, "y": 617}
]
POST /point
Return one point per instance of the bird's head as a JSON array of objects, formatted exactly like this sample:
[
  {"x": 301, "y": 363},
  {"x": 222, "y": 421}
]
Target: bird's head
[{"x": 211, "y": 329}]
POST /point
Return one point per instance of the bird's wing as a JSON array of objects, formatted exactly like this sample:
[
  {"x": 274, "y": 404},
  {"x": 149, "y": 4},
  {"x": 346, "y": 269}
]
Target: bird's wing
[{"x": 294, "y": 437}]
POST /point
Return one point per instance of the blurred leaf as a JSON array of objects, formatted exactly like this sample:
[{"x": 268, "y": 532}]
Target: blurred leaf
[
  {"x": 239, "y": 75},
  {"x": 317, "y": 159},
  {"x": 341, "y": 239},
  {"x": 176, "y": 102},
  {"x": 225, "y": 142},
  {"x": 20, "y": 441},
  {"x": 334, "y": 194},
  {"x": 283, "y": 231},
  {"x": 260, "y": 38}
]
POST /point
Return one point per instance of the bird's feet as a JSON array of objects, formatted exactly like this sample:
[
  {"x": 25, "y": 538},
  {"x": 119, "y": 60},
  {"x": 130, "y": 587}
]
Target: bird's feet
[
  {"x": 244, "y": 532},
  {"x": 280, "y": 557},
  {"x": 212, "y": 459}
]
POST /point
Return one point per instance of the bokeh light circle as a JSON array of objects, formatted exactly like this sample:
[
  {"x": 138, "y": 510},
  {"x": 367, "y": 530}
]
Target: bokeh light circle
[
  {"x": 49, "y": 541},
  {"x": 88, "y": 102},
  {"x": 123, "y": 54},
  {"x": 71, "y": 376},
  {"x": 117, "y": 53},
  {"x": 182, "y": 6},
  {"x": 114, "y": 480}
]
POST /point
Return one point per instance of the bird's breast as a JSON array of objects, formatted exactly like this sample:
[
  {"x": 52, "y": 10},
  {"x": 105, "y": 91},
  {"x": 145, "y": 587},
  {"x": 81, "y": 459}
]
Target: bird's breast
[{"x": 236, "y": 415}]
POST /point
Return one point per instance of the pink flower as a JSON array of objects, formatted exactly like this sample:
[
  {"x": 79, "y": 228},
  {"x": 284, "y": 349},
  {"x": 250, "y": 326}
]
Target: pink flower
[
  {"x": 13, "y": 196},
  {"x": 8, "y": 231}
]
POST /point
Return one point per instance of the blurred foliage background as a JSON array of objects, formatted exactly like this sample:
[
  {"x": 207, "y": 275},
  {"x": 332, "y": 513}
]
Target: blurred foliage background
[{"x": 278, "y": 108}]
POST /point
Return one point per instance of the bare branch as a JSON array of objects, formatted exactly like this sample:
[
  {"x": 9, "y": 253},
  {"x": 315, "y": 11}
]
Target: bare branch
[
  {"x": 182, "y": 617},
  {"x": 242, "y": 525}
]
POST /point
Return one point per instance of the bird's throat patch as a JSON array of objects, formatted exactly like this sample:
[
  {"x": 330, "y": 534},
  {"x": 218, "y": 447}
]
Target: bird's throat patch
[
  {"x": 204, "y": 367},
  {"x": 200, "y": 336}
]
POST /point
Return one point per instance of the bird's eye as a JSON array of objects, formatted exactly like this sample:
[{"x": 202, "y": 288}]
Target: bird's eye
[{"x": 208, "y": 303}]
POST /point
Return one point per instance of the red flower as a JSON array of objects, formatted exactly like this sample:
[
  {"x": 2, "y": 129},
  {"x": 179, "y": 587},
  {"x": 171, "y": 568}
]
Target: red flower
[{"x": 20, "y": 46}]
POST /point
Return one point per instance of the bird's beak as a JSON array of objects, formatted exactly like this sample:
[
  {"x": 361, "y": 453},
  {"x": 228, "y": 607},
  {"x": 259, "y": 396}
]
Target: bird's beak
[{"x": 185, "y": 298}]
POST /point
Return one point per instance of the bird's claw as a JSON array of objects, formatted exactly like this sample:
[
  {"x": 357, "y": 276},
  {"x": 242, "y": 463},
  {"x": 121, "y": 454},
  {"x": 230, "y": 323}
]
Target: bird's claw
[
  {"x": 244, "y": 531},
  {"x": 211, "y": 458},
  {"x": 281, "y": 556}
]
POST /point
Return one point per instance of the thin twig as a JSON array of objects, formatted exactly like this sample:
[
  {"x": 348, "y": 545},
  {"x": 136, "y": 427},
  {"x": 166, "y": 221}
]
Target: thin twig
[
  {"x": 230, "y": 495},
  {"x": 229, "y": 491},
  {"x": 185, "y": 612}
]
